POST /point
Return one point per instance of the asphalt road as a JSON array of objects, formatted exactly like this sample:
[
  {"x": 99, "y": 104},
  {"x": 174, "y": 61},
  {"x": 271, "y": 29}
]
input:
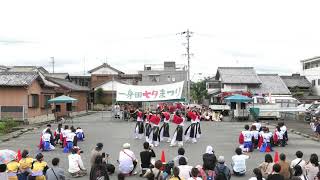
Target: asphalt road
[{"x": 99, "y": 127}]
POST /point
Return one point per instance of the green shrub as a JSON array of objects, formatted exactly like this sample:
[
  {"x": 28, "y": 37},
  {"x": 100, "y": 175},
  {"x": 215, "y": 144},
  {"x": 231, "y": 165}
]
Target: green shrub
[{"x": 6, "y": 125}]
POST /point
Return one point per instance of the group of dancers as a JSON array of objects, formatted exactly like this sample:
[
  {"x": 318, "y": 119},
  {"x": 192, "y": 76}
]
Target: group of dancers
[
  {"x": 148, "y": 126},
  {"x": 259, "y": 137},
  {"x": 66, "y": 137}
]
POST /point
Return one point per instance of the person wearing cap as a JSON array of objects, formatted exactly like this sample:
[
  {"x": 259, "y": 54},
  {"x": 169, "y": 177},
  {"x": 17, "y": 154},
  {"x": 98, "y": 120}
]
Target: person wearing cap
[
  {"x": 127, "y": 160},
  {"x": 222, "y": 169},
  {"x": 97, "y": 151},
  {"x": 209, "y": 159}
]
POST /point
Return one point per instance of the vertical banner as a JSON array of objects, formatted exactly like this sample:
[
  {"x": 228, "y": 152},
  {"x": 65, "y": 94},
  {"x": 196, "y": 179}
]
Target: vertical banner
[{"x": 149, "y": 93}]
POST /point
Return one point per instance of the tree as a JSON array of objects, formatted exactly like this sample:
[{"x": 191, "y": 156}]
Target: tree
[
  {"x": 199, "y": 91},
  {"x": 99, "y": 96}
]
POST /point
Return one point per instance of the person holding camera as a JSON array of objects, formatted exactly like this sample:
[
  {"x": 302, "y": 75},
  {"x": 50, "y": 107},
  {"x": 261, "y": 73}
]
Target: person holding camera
[
  {"x": 146, "y": 156},
  {"x": 76, "y": 167},
  {"x": 97, "y": 151}
]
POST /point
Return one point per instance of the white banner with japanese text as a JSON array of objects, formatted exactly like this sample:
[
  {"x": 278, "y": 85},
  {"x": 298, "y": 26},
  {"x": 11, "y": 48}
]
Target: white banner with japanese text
[{"x": 149, "y": 93}]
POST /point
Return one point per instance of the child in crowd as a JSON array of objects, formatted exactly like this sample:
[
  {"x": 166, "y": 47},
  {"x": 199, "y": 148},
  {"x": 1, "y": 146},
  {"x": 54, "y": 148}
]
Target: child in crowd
[
  {"x": 266, "y": 138},
  {"x": 69, "y": 141},
  {"x": 58, "y": 135},
  {"x": 25, "y": 165},
  {"x": 13, "y": 169},
  {"x": 64, "y": 135},
  {"x": 39, "y": 168},
  {"x": 46, "y": 140},
  {"x": 80, "y": 134},
  {"x": 245, "y": 139},
  {"x": 255, "y": 138}
]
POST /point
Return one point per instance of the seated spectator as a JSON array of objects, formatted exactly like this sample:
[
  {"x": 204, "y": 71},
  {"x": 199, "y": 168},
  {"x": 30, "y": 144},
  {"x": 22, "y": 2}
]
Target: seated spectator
[
  {"x": 155, "y": 173},
  {"x": 239, "y": 163},
  {"x": 39, "y": 168},
  {"x": 194, "y": 174},
  {"x": 266, "y": 166},
  {"x": 312, "y": 167},
  {"x": 146, "y": 156},
  {"x": 258, "y": 174},
  {"x": 76, "y": 167},
  {"x": 298, "y": 161},
  {"x": 25, "y": 165},
  {"x": 285, "y": 167},
  {"x": 275, "y": 175},
  {"x": 13, "y": 169},
  {"x": 3, "y": 171},
  {"x": 298, "y": 173},
  {"x": 185, "y": 169},
  {"x": 168, "y": 169},
  {"x": 99, "y": 170},
  {"x": 55, "y": 173},
  {"x": 127, "y": 160},
  {"x": 209, "y": 159},
  {"x": 181, "y": 153},
  {"x": 222, "y": 170},
  {"x": 80, "y": 134},
  {"x": 176, "y": 174}
]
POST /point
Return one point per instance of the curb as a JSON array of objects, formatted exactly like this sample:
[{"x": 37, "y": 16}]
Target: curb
[
  {"x": 34, "y": 126},
  {"x": 298, "y": 133}
]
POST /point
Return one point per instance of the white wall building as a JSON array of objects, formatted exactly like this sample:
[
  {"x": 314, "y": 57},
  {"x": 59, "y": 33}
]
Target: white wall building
[{"x": 311, "y": 69}]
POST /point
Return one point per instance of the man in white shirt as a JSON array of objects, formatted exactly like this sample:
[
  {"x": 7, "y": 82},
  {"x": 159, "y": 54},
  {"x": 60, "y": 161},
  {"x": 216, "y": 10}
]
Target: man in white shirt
[
  {"x": 239, "y": 163},
  {"x": 127, "y": 160},
  {"x": 76, "y": 167},
  {"x": 299, "y": 161}
]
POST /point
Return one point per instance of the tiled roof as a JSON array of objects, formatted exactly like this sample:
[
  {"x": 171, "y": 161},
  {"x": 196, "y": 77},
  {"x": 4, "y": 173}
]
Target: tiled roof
[
  {"x": 57, "y": 75},
  {"x": 238, "y": 75},
  {"x": 271, "y": 83},
  {"x": 67, "y": 84},
  {"x": 296, "y": 81},
  {"x": 104, "y": 65},
  {"x": 17, "y": 78}
]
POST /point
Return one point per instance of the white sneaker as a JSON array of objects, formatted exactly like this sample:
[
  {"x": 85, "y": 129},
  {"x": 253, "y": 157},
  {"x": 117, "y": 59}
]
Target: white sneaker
[{"x": 172, "y": 145}]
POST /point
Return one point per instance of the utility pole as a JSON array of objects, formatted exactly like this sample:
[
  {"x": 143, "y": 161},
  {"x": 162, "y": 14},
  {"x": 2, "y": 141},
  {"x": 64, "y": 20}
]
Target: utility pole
[
  {"x": 52, "y": 62},
  {"x": 188, "y": 34}
]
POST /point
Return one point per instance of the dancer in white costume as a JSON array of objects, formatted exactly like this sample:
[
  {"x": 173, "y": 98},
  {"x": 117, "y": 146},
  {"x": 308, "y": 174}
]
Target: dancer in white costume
[
  {"x": 191, "y": 131},
  {"x": 154, "y": 137},
  {"x": 178, "y": 133}
]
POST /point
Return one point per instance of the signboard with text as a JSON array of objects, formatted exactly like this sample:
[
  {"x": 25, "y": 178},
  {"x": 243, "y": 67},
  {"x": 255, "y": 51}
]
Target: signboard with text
[{"x": 149, "y": 93}]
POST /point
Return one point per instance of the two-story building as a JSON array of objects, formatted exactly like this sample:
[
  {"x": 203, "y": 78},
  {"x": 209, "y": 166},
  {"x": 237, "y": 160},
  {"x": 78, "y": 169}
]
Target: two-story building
[
  {"x": 311, "y": 69},
  {"x": 245, "y": 81}
]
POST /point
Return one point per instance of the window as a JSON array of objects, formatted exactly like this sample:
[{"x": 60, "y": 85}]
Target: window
[
  {"x": 154, "y": 78},
  {"x": 169, "y": 79},
  {"x": 173, "y": 79},
  {"x": 45, "y": 100},
  {"x": 313, "y": 82},
  {"x": 58, "y": 108},
  {"x": 69, "y": 106},
  {"x": 318, "y": 82},
  {"x": 33, "y": 101}
]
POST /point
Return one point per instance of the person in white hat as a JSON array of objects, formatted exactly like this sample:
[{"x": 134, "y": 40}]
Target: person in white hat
[{"x": 127, "y": 161}]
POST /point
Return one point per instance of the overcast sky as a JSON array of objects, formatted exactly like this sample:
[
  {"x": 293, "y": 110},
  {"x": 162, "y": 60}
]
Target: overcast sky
[{"x": 272, "y": 36}]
